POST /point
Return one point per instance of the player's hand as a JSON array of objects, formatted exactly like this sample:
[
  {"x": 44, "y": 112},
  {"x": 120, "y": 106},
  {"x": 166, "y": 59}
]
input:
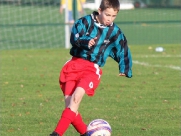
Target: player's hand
[
  {"x": 122, "y": 74},
  {"x": 61, "y": 10},
  {"x": 92, "y": 42}
]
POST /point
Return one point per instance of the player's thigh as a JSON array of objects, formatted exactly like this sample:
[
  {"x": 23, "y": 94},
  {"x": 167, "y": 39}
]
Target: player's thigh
[
  {"x": 76, "y": 99},
  {"x": 69, "y": 88},
  {"x": 67, "y": 100}
]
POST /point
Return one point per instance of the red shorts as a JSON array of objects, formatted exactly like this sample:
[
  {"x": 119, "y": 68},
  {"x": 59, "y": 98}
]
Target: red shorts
[{"x": 78, "y": 72}]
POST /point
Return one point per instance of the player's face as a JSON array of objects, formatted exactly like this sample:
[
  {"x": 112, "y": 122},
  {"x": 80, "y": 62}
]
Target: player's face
[{"x": 106, "y": 17}]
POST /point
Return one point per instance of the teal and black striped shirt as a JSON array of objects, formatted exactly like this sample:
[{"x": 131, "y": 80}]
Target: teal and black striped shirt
[{"x": 110, "y": 42}]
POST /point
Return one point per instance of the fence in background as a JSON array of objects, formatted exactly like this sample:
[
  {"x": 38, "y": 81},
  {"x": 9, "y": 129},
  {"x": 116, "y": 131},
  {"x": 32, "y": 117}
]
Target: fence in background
[
  {"x": 32, "y": 26},
  {"x": 148, "y": 3}
]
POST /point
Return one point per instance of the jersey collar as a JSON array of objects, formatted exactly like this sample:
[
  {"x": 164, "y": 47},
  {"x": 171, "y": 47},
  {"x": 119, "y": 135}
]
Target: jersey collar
[{"x": 93, "y": 15}]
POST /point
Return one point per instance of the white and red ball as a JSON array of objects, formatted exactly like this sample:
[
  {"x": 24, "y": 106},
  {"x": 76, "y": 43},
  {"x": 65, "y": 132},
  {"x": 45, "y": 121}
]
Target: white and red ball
[{"x": 99, "y": 127}]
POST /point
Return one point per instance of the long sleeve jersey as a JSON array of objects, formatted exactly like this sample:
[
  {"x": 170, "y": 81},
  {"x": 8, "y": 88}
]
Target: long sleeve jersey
[{"x": 111, "y": 42}]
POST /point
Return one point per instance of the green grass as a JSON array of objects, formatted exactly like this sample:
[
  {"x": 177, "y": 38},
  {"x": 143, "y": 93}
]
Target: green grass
[
  {"x": 31, "y": 101},
  {"x": 148, "y": 104}
]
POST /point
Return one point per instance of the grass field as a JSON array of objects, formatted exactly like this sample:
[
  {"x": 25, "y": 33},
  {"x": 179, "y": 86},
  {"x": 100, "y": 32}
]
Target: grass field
[{"x": 148, "y": 104}]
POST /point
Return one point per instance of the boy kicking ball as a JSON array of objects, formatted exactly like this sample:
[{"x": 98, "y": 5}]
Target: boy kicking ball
[{"x": 94, "y": 38}]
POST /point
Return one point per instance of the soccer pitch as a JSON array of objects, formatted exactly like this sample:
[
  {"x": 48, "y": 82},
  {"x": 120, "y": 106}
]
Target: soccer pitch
[{"x": 148, "y": 104}]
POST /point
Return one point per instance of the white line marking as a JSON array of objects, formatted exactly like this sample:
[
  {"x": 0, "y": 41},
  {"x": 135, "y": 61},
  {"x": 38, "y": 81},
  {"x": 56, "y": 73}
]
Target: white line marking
[
  {"x": 147, "y": 64},
  {"x": 158, "y": 56}
]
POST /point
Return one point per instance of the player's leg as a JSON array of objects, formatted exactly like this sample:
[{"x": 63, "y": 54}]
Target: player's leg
[
  {"x": 67, "y": 115},
  {"x": 70, "y": 114},
  {"x": 88, "y": 83},
  {"x": 67, "y": 100},
  {"x": 78, "y": 123},
  {"x": 75, "y": 101}
]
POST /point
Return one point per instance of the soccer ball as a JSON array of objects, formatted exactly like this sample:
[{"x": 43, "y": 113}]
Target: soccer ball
[{"x": 99, "y": 127}]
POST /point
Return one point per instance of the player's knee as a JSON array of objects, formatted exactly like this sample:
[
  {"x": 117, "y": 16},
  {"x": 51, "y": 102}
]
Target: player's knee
[
  {"x": 79, "y": 93},
  {"x": 77, "y": 98}
]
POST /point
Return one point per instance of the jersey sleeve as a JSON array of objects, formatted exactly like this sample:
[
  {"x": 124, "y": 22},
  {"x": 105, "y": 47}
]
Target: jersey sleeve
[
  {"x": 122, "y": 55},
  {"x": 78, "y": 35}
]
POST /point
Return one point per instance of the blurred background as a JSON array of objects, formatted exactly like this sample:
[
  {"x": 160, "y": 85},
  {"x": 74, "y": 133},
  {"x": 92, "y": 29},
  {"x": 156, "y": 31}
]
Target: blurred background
[
  {"x": 31, "y": 24},
  {"x": 136, "y": 3}
]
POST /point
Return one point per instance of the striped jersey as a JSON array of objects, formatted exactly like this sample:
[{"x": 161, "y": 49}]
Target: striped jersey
[{"x": 111, "y": 42}]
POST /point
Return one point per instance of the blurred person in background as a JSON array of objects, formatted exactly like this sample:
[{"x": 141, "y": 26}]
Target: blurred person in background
[{"x": 70, "y": 12}]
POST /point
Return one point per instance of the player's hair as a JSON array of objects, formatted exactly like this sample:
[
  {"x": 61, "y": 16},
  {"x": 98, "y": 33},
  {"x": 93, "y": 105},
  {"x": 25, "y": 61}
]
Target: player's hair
[{"x": 110, "y": 4}]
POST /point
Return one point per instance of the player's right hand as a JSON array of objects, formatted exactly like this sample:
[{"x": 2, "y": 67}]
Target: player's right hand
[
  {"x": 122, "y": 74},
  {"x": 92, "y": 42}
]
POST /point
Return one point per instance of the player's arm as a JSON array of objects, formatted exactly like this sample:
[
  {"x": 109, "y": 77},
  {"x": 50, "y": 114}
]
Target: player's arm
[
  {"x": 121, "y": 54},
  {"x": 79, "y": 38},
  {"x": 125, "y": 62},
  {"x": 62, "y": 6}
]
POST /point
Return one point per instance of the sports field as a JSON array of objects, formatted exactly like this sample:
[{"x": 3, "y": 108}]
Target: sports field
[{"x": 148, "y": 104}]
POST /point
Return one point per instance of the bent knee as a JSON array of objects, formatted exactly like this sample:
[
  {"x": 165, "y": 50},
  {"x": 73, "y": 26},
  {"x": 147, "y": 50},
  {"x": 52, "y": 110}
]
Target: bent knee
[
  {"x": 77, "y": 98},
  {"x": 78, "y": 95}
]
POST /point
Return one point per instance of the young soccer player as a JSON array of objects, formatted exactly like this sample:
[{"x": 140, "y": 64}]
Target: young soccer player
[{"x": 94, "y": 38}]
